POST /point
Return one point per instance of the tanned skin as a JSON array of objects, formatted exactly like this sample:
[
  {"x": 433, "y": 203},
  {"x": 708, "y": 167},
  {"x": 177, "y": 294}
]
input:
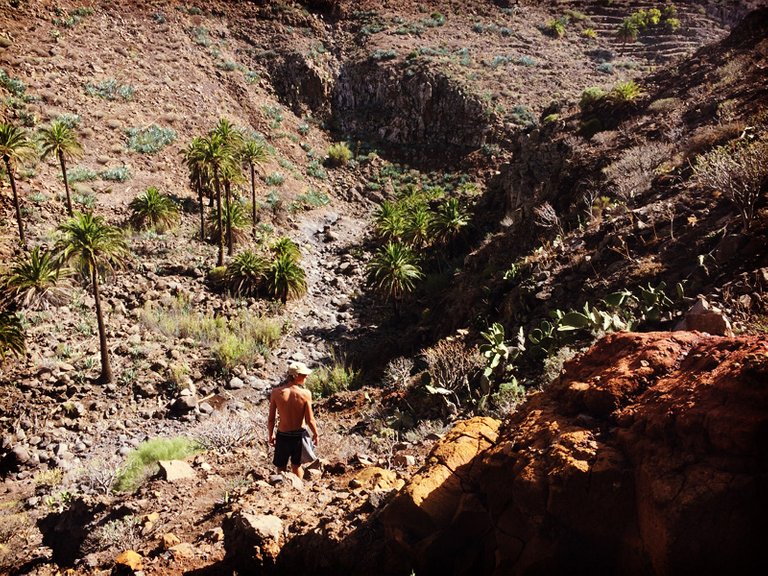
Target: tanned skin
[{"x": 293, "y": 403}]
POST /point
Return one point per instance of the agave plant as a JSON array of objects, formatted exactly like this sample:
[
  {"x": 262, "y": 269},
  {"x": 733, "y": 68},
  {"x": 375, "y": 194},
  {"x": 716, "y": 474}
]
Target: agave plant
[
  {"x": 246, "y": 273},
  {"x": 153, "y": 210},
  {"x": 11, "y": 335},
  {"x": 286, "y": 279},
  {"x": 32, "y": 281}
]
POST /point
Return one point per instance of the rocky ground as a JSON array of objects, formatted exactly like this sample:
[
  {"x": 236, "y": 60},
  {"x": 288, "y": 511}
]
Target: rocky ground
[{"x": 64, "y": 436}]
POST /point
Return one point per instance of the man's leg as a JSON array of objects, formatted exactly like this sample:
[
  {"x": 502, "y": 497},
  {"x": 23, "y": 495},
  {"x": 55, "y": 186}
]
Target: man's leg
[{"x": 297, "y": 469}]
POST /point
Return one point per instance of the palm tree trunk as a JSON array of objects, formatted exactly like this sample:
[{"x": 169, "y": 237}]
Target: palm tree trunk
[
  {"x": 66, "y": 183},
  {"x": 22, "y": 237},
  {"x": 202, "y": 207},
  {"x": 106, "y": 369},
  {"x": 217, "y": 186},
  {"x": 227, "y": 189},
  {"x": 253, "y": 200}
]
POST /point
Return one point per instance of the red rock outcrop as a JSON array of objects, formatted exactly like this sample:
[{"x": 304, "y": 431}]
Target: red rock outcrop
[{"x": 647, "y": 456}]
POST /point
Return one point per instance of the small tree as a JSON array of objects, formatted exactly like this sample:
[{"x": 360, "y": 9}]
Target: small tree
[
  {"x": 95, "y": 247},
  {"x": 393, "y": 272},
  {"x": 627, "y": 32},
  {"x": 59, "y": 139},
  {"x": 15, "y": 146},
  {"x": 153, "y": 210},
  {"x": 247, "y": 273},
  {"x": 33, "y": 281},
  {"x": 286, "y": 278}
]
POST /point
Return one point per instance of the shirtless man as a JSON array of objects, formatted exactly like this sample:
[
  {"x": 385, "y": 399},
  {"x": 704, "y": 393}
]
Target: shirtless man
[{"x": 293, "y": 403}]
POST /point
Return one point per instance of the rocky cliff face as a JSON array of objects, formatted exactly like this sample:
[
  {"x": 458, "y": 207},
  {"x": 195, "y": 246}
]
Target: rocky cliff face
[
  {"x": 645, "y": 457},
  {"x": 408, "y": 105}
]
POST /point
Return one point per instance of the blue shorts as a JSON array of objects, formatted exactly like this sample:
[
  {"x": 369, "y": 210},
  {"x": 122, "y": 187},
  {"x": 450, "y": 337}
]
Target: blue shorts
[{"x": 287, "y": 446}]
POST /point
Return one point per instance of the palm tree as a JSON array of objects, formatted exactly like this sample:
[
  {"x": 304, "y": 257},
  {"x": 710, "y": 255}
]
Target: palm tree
[
  {"x": 214, "y": 155},
  {"x": 199, "y": 177},
  {"x": 450, "y": 222},
  {"x": 95, "y": 247},
  {"x": 284, "y": 246},
  {"x": 233, "y": 139},
  {"x": 389, "y": 221},
  {"x": 286, "y": 279},
  {"x": 15, "y": 146},
  {"x": 60, "y": 139},
  {"x": 11, "y": 334},
  {"x": 393, "y": 271},
  {"x": 418, "y": 226},
  {"x": 627, "y": 32},
  {"x": 153, "y": 210},
  {"x": 246, "y": 273},
  {"x": 253, "y": 152},
  {"x": 32, "y": 281}
]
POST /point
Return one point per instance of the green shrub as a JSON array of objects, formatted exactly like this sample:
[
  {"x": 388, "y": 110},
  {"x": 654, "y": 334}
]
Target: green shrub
[
  {"x": 116, "y": 174},
  {"x": 140, "y": 463},
  {"x": 85, "y": 199},
  {"x": 556, "y": 26},
  {"x": 81, "y": 174},
  {"x": 316, "y": 170},
  {"x": 339, "y": 154},
  {"x": 110, "y": 90},
  {"x": 69, "y": 120},
  {"x": 380, "y": 55},
  {"x": 521, "y": 115},
  {"x": 14, "y": 86},
  {"x": 590, "y": 96},
  {"x": 625, "y": 92},
  {"x": 589, "y": 33},
  {"x": 153, "y": 210},
  {"x": 150, "y": 140},
  {"x": 275, "y": 179},
  {"x": 328, "y": 380}
]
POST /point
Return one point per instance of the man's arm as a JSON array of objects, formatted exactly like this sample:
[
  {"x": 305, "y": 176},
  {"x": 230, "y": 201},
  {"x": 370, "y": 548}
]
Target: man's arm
[
  {"x": 271, "y": 419},
  {"x": 309, "y": 416}
]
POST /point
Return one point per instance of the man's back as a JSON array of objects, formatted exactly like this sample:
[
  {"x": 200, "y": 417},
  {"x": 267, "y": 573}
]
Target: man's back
[{"x": 291, "y": 402}]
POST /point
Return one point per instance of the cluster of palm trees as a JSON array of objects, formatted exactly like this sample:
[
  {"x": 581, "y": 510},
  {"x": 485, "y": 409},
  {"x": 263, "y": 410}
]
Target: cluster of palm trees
[
  {"x": 16, "y": 146},
  {"x": 87, "y": 244},
  {"x": 214, "y": 162},
  {"x": 410, "y": 230}
]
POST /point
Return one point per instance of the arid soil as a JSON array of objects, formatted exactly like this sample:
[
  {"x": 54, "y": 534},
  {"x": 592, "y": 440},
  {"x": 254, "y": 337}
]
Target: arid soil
[{"x": 443, "y": 87}]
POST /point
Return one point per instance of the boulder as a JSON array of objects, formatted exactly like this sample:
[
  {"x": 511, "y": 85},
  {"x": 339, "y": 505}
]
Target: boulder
[
  {"x": 703, "y": 317},
  {"x": 646, "y": 456},
  {"x": 175, "y": 470},
  {"x": 252, "y": 541}
]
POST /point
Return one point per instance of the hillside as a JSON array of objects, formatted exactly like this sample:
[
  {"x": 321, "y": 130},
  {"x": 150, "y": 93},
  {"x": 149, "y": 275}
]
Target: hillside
[{"x": 561, "y": 201}]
